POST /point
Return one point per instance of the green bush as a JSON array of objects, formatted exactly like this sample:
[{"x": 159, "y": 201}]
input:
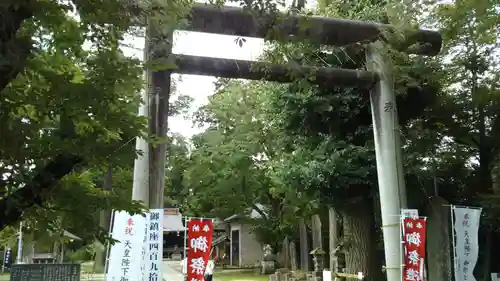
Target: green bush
[{"x": 80, "y": 255}]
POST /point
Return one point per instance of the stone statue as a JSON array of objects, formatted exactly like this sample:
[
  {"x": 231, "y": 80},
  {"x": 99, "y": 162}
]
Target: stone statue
[
  {"x": 268, "y": 253},
  {"x": 269, "y": 260}
]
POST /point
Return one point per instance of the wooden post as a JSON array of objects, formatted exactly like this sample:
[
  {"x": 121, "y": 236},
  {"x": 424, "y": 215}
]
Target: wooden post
[
  {"x": 159, "y": 94},
  {"x": 317, "y": 30},
  {"x": 255, "y": 70},
  {"x": 104, "y": 220},
  {"x": 304, "y": 246},
  {"x": 293, "y": 256},
  {"x": 286, "y": 253},
  {"x": 317, "y": 239}
]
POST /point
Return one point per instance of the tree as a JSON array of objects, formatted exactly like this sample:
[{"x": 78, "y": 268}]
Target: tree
[
  {"x": 178, "y": 162},
  {"x": 467, "y": 115},
  {"x": 69, "y": 108},
  {"x": 14, "y": 50},
  {"x": 228, "y": 170},
  {"x": 43, "y": 32}
]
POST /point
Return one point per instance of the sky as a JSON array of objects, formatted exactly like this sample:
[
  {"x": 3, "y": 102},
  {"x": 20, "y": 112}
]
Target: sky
[{"x": 196, "y": 86}]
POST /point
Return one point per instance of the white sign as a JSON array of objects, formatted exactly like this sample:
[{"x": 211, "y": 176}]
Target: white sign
[
  {"x": 495, "y": 276},
  {"x": 154, "y": 246},
  {"x": 409, "y": 213},
  {"x": 466, "y": 226},
  {"x": 125, "y": 255}
]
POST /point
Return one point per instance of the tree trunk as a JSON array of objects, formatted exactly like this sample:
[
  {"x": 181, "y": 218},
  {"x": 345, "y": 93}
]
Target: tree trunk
[
  {"x": 359, "y": 241},
  {"x": 317, "y": 238},
  {"x": 13, "y": 50},
  {"x": 104, "y": 220},
  {"x": 286, "y": 253},
  {"x": 488, "y": 243}
]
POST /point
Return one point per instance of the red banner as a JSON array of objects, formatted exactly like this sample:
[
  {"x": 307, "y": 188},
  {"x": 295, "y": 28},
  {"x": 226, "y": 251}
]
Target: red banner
[
  {"x": 199, "y": 245},
  {"x": 414, "y": 246}
]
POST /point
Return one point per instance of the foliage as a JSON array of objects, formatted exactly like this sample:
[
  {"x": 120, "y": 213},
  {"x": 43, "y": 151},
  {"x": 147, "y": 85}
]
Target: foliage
[
  {"x": 73, "y": 102},
  {"x": 177, "y": 163},
  {"x": 331, "y": 153},
  {"x": 229, "y": 162},
  {"x": 8, "y": 236},
  {"x": 68, "y": 109},
  {"x": 469, "y": 112}
]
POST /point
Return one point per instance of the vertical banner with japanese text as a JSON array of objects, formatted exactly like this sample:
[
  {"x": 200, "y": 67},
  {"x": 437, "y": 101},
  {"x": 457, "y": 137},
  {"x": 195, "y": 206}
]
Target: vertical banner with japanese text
[
  {"x": 199, "y": 245},
  {"x": 144, "y": 247},
  {"x": 405, "y": 213},
  {"x": 466, "y": 248},
  {"x": 414, "y": 248},
  {"x": 126, "y": 253},
  {"x": 154, "y": 246}
]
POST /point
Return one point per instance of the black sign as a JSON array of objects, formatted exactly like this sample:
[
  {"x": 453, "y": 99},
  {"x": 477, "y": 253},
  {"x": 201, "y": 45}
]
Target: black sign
[{"x": 45, "y": 272}]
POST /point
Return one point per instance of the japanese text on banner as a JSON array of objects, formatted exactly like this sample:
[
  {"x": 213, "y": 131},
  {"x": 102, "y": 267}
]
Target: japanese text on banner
[
  {"x": 154, "y": 246},
  {"x": 144, "y": 274},
  {"x": 466, "y": 226},
  {"x": 414, "y": 246},
  {"x": 126, "y": 253},
  {"x": 199, "y": 246}
]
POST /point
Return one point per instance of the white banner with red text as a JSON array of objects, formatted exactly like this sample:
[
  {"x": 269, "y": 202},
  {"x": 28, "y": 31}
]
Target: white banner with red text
[{"x": 126, "y": 254}]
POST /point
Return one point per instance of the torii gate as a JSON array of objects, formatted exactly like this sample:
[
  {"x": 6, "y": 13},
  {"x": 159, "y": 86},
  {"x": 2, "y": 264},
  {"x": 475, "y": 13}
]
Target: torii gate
[{"x": 322, "y": 31}]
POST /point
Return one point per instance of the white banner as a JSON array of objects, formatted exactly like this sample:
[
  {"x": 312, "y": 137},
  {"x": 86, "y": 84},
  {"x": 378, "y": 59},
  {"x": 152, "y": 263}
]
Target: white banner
[
  {"x": 125, "y": 256},
  {"x": 466, "y": 248},
  {"x": 154, "y": 246}
]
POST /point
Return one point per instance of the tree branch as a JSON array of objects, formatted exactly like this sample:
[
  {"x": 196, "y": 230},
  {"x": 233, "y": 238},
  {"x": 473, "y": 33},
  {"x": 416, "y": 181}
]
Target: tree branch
[
  {"x": 13, "y": 14},
  {"x": 35, "y": 192},
  {"x": 13, "y": 50},
  {"x": 14, "y": 53}
]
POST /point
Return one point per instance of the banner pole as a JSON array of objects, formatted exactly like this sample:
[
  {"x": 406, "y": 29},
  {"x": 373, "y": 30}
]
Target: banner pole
[
  {"x": 453, "y": 242},
  {"x": 185, "y": 236},
  {"x": 108, "y": 246},
  {"x": 4, "y": 257},
  {"x": 465, "y": 207},
  {"x": 424, "y": 264},
  {"x": 401, "y": 240}
]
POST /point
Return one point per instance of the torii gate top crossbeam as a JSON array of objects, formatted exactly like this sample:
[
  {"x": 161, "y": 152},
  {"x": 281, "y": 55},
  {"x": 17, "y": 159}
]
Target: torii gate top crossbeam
[{"x": 320, "y": 30}]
